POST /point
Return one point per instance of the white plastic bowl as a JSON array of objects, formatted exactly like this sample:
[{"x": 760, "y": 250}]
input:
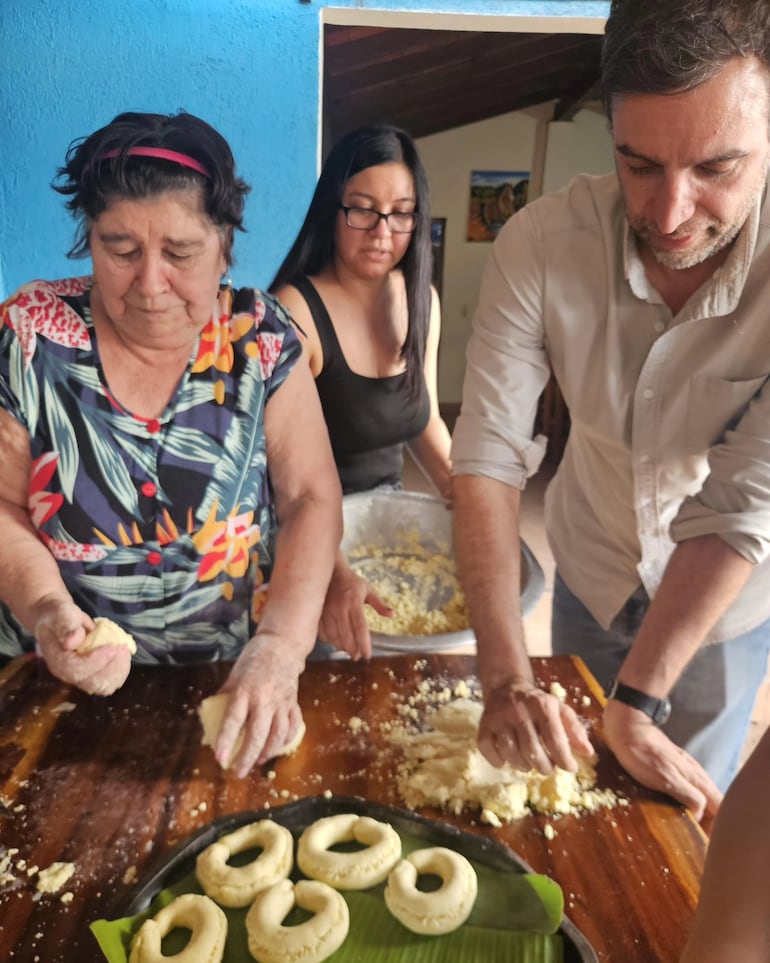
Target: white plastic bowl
[{"x": 378, "y": 519}]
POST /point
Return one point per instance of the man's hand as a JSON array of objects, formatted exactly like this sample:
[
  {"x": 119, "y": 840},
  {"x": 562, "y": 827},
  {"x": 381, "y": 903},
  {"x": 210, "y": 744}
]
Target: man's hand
[
  {"x": 60, "y": 628},
  {"x": 343, "y": 620},
  {"x": 527, "y": 727},
  {"x": 655, "y": 761}
]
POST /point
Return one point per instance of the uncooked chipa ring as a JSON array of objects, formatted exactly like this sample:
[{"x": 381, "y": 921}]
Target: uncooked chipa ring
[
  {"x": 200, "y": 915},
  {"x": 308, "y": 942},
  {"x": 238, "y": 885},
  {"x": 357, "y": 870},
  {"x": 442, "y": 910}
]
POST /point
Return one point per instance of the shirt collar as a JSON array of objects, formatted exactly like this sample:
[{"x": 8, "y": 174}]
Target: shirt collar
[{"x": 718, "y": 296}]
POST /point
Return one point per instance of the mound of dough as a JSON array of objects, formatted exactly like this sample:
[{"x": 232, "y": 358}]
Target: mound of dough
[
  {"x": 106, "y": 632},
  {"x": 442, "y": 766},
  {"x": 211, "y": 713}
]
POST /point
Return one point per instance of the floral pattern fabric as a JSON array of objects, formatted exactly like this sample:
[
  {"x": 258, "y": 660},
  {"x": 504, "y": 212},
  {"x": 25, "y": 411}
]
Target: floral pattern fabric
[{"x": 164, "y": 525}]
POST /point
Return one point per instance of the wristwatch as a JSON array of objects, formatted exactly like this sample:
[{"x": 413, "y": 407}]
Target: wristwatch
[{"x": 657, "y": 709}]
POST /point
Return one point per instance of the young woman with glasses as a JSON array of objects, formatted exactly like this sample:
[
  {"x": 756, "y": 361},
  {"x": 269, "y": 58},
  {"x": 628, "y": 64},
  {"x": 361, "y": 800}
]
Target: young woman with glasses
[{"x": 357, "y": 280}]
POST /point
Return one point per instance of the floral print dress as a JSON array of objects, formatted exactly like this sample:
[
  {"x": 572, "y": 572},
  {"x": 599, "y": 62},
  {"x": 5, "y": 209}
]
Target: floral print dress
[{"x": 164, "y": 525}]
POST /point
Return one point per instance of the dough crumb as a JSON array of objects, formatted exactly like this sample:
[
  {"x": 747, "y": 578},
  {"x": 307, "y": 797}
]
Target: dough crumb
[
  {"x": 558, "y": 690},
  {"x": 52, "y": 879},
  {"x": 63, "y": 707}
]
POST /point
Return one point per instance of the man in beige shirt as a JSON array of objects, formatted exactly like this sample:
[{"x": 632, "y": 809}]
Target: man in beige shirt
[{"x": 648, "y": 294}]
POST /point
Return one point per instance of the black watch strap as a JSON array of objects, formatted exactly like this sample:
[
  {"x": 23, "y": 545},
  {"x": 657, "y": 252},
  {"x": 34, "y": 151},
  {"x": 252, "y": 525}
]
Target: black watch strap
[{"x": 657, "y": 709}]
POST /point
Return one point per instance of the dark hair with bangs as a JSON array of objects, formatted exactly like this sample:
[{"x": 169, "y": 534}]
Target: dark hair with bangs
[
  {"x": 665, "y": 46},
  {"x": 92, "y": 179},
  {"x": 313, "y": 248}
]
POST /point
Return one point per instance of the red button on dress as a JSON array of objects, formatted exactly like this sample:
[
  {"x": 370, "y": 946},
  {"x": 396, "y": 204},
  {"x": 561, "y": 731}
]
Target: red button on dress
[
  {"x": 153, "y": 426},
  {"x": 154, "y": 558},
  {"x": 149, "y": 489}
]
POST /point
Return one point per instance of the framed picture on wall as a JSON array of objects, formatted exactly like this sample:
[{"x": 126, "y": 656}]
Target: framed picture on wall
[
  {"x": 437, "y": 236},
  {"x": 494, "y": 197}
]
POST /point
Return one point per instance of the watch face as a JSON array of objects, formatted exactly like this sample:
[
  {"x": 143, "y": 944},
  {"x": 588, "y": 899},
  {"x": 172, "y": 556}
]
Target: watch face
[
  {"x": 658, "y": 710},
  {"x": 662, "y": 712}
]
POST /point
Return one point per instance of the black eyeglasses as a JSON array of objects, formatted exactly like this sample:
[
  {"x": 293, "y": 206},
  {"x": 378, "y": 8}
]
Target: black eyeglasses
[{"x": 366, "y": 219}]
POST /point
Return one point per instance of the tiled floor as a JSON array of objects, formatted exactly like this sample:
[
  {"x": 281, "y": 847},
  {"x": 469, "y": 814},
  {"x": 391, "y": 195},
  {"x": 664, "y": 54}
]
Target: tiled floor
[{"x": 538, "y": 624}]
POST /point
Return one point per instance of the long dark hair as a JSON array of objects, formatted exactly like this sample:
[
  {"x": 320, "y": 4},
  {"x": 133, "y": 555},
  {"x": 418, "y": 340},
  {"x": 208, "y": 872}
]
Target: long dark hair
[
  {"x": 313, "y": 248},
  {"x": 100, "y": 167},
  {"x": 664, "y": 46}
]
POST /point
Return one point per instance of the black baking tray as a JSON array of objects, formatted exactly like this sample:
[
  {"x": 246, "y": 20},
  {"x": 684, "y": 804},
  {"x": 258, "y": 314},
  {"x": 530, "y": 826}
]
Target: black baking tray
[{"x": 181, "y": 860}]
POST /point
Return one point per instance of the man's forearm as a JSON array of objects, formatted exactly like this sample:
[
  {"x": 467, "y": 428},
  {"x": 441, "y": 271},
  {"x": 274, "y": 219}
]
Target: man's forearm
[
  {"x": 703, "y": 578},
  {"x": 489, "y": 567}
]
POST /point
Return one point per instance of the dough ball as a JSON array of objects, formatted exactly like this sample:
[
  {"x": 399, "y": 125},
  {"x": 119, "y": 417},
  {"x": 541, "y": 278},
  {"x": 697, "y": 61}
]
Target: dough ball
[
  {"x": 212, "y": 711},
  {"x": 106, "y": 632}
]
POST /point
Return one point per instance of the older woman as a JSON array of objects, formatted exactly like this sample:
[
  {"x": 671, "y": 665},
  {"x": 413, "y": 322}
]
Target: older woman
[
  {"x": 357, "y": 279},
  {"x": 165, "y": 455}
]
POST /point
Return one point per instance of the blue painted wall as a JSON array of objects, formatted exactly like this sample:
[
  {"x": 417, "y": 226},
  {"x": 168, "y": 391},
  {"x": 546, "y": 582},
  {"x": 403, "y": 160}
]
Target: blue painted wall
[{"x": 249, "y": 67}]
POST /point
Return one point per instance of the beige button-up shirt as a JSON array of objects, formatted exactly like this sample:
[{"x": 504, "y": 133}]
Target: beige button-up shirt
[{"x": 670, "y": 415}]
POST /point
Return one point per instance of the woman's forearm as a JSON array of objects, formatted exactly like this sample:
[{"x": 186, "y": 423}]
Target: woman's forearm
[
  {"x": 431, "y": 452},
  {"x": 28, "y": 571},
  {"x": 307, "y": 548}
]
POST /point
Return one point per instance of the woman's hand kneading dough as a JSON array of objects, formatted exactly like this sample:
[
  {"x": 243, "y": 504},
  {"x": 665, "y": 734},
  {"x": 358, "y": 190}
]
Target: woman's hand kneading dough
[{"x": 262, "y": 715}]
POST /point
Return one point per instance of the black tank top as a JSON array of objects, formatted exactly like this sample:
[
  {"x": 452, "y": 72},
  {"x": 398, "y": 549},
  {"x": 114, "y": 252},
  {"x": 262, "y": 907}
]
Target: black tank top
[{"x": 369, "y": 419}]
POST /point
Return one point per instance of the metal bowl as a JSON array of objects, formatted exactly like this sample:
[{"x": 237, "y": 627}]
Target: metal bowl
[{"x": 379, "y": 519}]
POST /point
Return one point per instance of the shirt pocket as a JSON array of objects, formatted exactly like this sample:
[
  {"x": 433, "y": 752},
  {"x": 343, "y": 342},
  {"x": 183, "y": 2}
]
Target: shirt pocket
[{"x": 714, "y": 406}]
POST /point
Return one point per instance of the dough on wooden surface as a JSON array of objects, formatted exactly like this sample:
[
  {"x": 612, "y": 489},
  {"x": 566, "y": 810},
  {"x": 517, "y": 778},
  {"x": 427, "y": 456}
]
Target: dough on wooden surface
[{"x": 212, "y": 711}]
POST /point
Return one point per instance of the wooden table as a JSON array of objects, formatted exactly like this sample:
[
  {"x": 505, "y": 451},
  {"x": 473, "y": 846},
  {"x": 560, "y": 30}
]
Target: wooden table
[{"x": 113, "y": 784}]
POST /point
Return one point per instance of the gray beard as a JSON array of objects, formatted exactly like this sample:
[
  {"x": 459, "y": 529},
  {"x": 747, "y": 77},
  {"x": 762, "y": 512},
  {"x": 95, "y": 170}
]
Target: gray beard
[{"x": 681, "y": 260}]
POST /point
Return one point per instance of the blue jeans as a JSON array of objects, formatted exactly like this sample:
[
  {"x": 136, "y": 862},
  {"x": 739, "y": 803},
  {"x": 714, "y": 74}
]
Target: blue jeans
[{"x": 713, "y": 700}]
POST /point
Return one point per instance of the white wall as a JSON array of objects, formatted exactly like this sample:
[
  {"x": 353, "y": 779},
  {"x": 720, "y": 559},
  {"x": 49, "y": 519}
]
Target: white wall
[
  {"x": 582, "y": 145},
  {"x": 510, "y": 142},
  {"x": 503, "y": 143}
]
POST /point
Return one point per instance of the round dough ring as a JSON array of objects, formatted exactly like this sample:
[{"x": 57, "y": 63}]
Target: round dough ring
[
  {"x": 442, "y": 910},
  {"x": 197, "y": 913},
  {"x": 238, "y": 885},
  {"x": 308, "y": 942},
  {"x": 357, "y": 870}
]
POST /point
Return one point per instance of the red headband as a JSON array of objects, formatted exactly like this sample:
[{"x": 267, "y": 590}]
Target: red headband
[{"x": 184, "y": 160}]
